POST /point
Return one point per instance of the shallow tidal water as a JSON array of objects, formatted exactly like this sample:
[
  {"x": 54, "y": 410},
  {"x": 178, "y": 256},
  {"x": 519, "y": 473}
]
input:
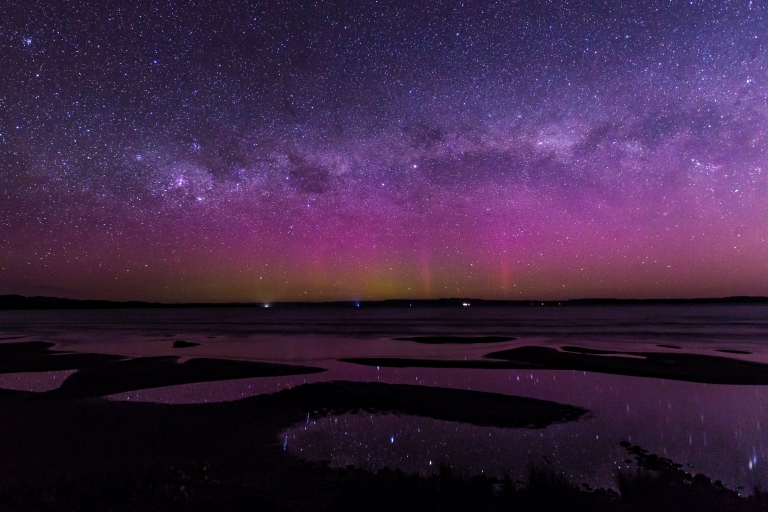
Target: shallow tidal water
[{"x": 716, "y": 429}]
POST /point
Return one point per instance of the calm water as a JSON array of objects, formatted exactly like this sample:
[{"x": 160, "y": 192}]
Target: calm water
[{"x": 717, "y": 429}]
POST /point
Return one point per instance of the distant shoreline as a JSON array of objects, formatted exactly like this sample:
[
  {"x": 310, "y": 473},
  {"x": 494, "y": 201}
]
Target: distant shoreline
[{"x": 18, "y": 302}]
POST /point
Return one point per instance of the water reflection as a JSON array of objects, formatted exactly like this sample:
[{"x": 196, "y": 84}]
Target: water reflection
[{"x": 718, "y": 430}]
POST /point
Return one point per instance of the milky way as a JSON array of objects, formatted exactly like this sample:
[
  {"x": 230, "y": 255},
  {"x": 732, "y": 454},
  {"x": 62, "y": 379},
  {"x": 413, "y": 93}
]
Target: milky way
[{"x": 366, "y": 150}]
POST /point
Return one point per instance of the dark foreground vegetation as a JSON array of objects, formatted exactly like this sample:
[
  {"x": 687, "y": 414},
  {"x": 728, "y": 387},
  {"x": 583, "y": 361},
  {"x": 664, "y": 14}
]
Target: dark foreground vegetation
[{"x": 290, "y": 485}]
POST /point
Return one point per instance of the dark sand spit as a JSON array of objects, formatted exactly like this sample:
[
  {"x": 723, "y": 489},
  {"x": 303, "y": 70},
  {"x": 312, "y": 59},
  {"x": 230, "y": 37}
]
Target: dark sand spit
[
  {"x": 456, "y": 340},
  {"x": 661, "y": 365},
  {"x": 184, "y": 344},
  {"x": 37, "y": 356},
  {"x": 100, "y": 375}
]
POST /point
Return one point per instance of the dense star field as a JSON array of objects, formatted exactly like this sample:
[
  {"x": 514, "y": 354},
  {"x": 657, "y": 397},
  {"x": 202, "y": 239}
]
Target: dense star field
[{"x": 330, "y": 150}]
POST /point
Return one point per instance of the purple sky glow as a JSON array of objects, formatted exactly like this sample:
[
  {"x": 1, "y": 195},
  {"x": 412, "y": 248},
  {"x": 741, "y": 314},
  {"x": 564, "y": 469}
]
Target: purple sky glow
[{"x": 335, "y": 150}]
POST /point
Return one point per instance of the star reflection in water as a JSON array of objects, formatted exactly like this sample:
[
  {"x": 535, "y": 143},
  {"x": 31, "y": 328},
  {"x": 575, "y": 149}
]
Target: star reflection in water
[{"x": 715, "y": 429}]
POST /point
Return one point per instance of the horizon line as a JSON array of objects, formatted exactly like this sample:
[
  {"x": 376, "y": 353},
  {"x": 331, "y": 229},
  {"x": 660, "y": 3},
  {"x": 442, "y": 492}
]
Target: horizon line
[{"x": 15, "y": 301}]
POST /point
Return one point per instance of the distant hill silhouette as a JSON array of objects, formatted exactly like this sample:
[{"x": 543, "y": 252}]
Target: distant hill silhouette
[{"x": 20, "y": 302}]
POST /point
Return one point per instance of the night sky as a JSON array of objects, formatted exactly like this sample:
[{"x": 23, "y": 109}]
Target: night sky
[{"x": 296, "y": 150}]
